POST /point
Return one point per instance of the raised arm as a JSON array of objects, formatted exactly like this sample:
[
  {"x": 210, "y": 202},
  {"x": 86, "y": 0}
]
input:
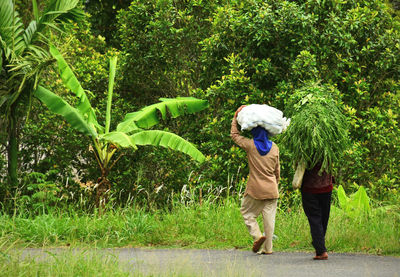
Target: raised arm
[{"x": 242, "y": 141}]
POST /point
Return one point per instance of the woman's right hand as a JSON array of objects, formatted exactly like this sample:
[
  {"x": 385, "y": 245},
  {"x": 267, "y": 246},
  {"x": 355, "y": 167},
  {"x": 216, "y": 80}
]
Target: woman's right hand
[{"x": 239, "y": 109}]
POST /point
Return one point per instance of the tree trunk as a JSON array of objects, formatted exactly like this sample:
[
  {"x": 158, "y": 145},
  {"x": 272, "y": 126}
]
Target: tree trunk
[{"x": 12, "y": 149}]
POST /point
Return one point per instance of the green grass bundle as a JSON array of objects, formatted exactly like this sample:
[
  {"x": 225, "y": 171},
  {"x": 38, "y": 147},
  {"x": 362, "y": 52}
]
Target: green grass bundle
[{"x": 318, "y": 131}]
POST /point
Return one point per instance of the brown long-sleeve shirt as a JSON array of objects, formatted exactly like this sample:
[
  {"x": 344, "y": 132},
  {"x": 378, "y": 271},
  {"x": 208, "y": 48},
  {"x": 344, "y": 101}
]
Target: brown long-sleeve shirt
[{"x": 264, "y": 170}]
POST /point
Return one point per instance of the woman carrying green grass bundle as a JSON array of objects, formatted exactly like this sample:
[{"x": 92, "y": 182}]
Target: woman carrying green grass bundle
[{"x": 317, "y": 137}]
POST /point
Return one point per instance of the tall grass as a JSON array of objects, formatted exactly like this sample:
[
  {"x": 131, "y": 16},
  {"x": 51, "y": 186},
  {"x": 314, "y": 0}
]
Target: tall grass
[{"x": 210, "y": 225}]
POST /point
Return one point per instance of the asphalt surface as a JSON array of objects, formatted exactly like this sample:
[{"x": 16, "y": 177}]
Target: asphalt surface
[{"x": 193, "y": 262}]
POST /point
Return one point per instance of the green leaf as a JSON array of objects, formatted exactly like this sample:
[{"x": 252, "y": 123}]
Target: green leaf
[
  {"x": 113, "y": 66},
  {"x": 11, "y": 29},
  {"x": 120, "y": 138},
  {"x": 148, "y": 116},
  {"x": 168, "y": 140},
  {"x": 361, "y": 200},
  {"x": 30, "y": 32},
  {"x": 71, "y": 82},
  {"x": 343, "y": 199},
  {"x": 60, "y": 11},
  {"x": 356, "y": 204},
  {"x": 35, "y": 10},
  {"x": 57, "y": 105},
  {"x": 3, "y": 99},
  {"x": 38, "y": 52}
]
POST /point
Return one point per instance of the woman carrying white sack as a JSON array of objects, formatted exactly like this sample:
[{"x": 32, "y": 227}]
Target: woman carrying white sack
[{"x": 261, "y": 194}]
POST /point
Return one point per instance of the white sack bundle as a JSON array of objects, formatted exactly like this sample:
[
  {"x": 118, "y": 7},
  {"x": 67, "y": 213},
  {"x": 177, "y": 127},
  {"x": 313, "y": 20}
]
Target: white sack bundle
[{"x": 270, "y": 118}]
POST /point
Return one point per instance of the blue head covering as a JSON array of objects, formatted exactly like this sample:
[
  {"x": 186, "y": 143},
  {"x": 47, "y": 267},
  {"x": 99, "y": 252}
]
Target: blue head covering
[{"x": 261, "y": 140}]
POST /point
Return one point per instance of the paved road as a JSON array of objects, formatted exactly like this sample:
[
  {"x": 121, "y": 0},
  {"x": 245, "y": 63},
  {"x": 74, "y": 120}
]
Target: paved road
[{"x": 173, "y": 262}]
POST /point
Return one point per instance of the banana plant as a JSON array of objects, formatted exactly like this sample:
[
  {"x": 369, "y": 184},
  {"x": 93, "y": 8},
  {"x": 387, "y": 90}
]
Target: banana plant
[{"x": 129, "y": 133}]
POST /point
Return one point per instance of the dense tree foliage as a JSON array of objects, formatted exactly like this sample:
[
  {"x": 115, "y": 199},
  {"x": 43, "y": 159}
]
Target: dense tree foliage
[
  {"x": 231, "y": 53},
  {"x": 161, "y": 41},
  {"x": 103, "y": 15},
  {"x": 274, "y": 47},
  {"x": 260, "y": 52}
]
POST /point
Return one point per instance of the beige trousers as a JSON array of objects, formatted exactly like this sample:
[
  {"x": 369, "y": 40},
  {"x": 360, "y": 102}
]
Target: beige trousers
[{"x": 250, "y": 210}]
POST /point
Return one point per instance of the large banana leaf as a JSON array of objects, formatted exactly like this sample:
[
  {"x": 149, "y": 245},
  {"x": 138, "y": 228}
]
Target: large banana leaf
[
  {"x": 57, "y": 105},
  {"x": 167, "y": 140},
  {"x": 120, "y": 138},
  {"x": 148, "y": 116},
  {"x": 71, "y": 82}
]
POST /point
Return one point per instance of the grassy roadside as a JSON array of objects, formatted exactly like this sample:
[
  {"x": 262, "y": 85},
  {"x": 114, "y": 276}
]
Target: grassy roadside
[
  {"x": 216, "y": 226},
  {"x": 66, "y": 264},
  {"x": 84, "y": 263}
]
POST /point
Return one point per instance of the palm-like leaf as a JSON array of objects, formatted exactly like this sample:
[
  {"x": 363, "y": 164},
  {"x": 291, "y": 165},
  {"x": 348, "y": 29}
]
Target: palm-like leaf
[
  {"x": 61, "y": 10},
  {"x": 55, "y": 12},
  {"x": 11, "y": 29},
  {"x": 57, "y": 105},
  {"x": 30, "y": 32},
  {"x": 167, "y": 140},
  {"x": 22, "y": 62},
  {"x": 148, "y": 116}
]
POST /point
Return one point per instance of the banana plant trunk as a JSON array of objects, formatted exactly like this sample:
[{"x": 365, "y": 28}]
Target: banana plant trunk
[
  {"x": 103, "y": 184},
  {"x": 12, "y": 148},
  {"x": 103, "y": 187}
]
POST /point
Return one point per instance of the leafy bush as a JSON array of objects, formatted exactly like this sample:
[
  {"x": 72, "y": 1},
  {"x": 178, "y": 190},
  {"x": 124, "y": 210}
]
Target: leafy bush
[{"x": 38, "y": 193}]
